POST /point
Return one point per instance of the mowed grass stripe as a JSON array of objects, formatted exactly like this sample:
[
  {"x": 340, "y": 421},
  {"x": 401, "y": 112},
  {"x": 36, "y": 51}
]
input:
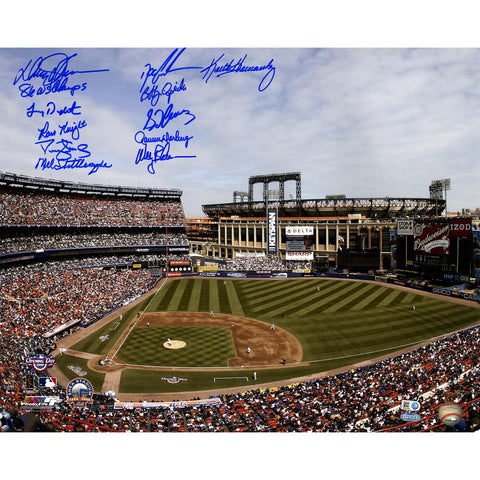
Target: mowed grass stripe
[
  {"x": 306, "y": 297},
  {"x": 214, "y": 296},
  {"x": 291, "y": 292},
  {"x": 369, "y": 300},
  {"x": 175, "y": 298},
  {"x": 194, "y": 301},
  {"x": 204, "y": 300},
  {"x": 236, "y": 306},
  {"x": 223, "y": 298},
  {"x": 186, "y": 295},
  {"x": 400, "y": 298},
  {"x": 390, "y": 298},
  {"x": 165, "y": 296},
  {"x": 279, "y": 298},
  {"x": 273, "y": 288},
  {"x": 348, "y": 301},
  {"x": 284, "y": 286},
  {"x": 327, "y": 299}
]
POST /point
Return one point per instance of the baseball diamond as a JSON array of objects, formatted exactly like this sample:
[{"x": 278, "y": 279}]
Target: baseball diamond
[{"x": 343, "y": 324}]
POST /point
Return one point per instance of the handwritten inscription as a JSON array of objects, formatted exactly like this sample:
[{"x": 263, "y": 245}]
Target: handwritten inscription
[
  {"x": 59, "y": 134},
  {"x": 54, "y": 72},
  {"x": 166, "y": 102},
  {"x": 159, "y": 92},
  {"x": 218, "y": 70},
  {"x": 53, "y": 87}
]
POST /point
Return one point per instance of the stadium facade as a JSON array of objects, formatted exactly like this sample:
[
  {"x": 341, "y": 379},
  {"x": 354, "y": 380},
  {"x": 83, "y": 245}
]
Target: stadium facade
[{"x": 353, "y": 234}]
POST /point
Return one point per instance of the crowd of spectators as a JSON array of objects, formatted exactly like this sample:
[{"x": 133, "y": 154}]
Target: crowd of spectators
[
  {"x": 35, "y": 299},
  {"x": 41, "y": 208},
  {"x": 252, "y": 263},
  {"x": 33, "y": 241}
]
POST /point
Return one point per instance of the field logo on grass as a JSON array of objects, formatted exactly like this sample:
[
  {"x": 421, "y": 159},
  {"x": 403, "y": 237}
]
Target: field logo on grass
[
  {"x": 174, "y": 379},
  {"x": 79, "y": 392},
  {"x": 77, "y": 370}
]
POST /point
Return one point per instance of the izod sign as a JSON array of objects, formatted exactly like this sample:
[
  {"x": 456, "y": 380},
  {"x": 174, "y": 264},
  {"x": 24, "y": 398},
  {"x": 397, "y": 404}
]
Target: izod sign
[{"x": 460, "y": 227}]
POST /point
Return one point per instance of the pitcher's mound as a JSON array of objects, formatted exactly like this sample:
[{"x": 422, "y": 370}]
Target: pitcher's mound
[{"x": 174, "y": 344}]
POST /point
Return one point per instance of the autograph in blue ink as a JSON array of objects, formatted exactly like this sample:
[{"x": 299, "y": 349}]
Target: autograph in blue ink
[
  {"x": 54, "y": 73},
  {"x": 165, "y": 116},
  {"x": 154, "y": 74},
  {"x": 229, "y": 67},
  {"x": 51, "y": 108},
  {"x": 141, "y": 138},
  {"x": 153, "y": 94},
  {"x": 72, "y": 163},
  {"x": 63, "y": 153},
  {"x": 63, "y": 129},
  {"x": 64, "y": 159},
  {"x": 160, "y": 154}
]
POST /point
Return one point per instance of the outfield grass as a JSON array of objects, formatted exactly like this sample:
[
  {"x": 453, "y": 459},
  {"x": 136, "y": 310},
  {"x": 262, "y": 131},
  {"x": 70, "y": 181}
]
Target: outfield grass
[{"x": 343, "y": 323}]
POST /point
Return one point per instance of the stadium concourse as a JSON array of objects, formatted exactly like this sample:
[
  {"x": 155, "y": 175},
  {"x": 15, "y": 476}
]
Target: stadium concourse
[{"x": 49, "y": 282}]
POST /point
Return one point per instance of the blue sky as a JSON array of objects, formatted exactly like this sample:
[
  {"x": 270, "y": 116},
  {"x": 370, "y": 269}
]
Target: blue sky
[{"x": 355, "y": 121}]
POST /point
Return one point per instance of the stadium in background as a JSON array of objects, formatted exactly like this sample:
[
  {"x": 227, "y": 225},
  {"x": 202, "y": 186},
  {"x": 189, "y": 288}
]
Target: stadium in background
[{"x": 347, "y": 234}]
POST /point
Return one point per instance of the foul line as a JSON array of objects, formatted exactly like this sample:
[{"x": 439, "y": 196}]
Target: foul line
[
  {"x": 138, "y": 318},
  {"x": 227, "y": 378}
]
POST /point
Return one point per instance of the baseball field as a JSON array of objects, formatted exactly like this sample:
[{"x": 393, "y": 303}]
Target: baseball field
[{"x": 197, "y": 336}]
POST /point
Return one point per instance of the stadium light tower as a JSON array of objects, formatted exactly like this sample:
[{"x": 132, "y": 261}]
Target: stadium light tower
[{"x": 438, "y": 190}]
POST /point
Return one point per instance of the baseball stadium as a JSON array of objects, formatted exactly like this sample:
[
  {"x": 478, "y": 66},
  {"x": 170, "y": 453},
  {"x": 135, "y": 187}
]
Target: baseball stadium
[{"x": 336, "y": 314}]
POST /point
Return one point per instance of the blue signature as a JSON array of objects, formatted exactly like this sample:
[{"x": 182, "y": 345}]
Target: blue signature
[
  {"x": 153, "y": 74},
  {"x": 141, "y": 138},
  {"x": 153, "y": 93},
  {"x": 164, "y": 117},
  {"x": 239, "y": 67},
  {"x": 160, "y": 154},
  {"x": 72, "y": 163},
  {"x": 65, "y": 149},
  {"x": 53, "y": 71},
  {"x": 73, "y": 130},
  {"x": 52, "y": 108},
  {"x": 63, "y": 129}
]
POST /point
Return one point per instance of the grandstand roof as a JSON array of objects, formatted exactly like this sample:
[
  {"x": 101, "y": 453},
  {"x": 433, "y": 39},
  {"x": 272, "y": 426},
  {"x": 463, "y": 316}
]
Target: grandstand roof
[
  {"x": 48, "y": 185},
  {"x": 385, "y": 207}
]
